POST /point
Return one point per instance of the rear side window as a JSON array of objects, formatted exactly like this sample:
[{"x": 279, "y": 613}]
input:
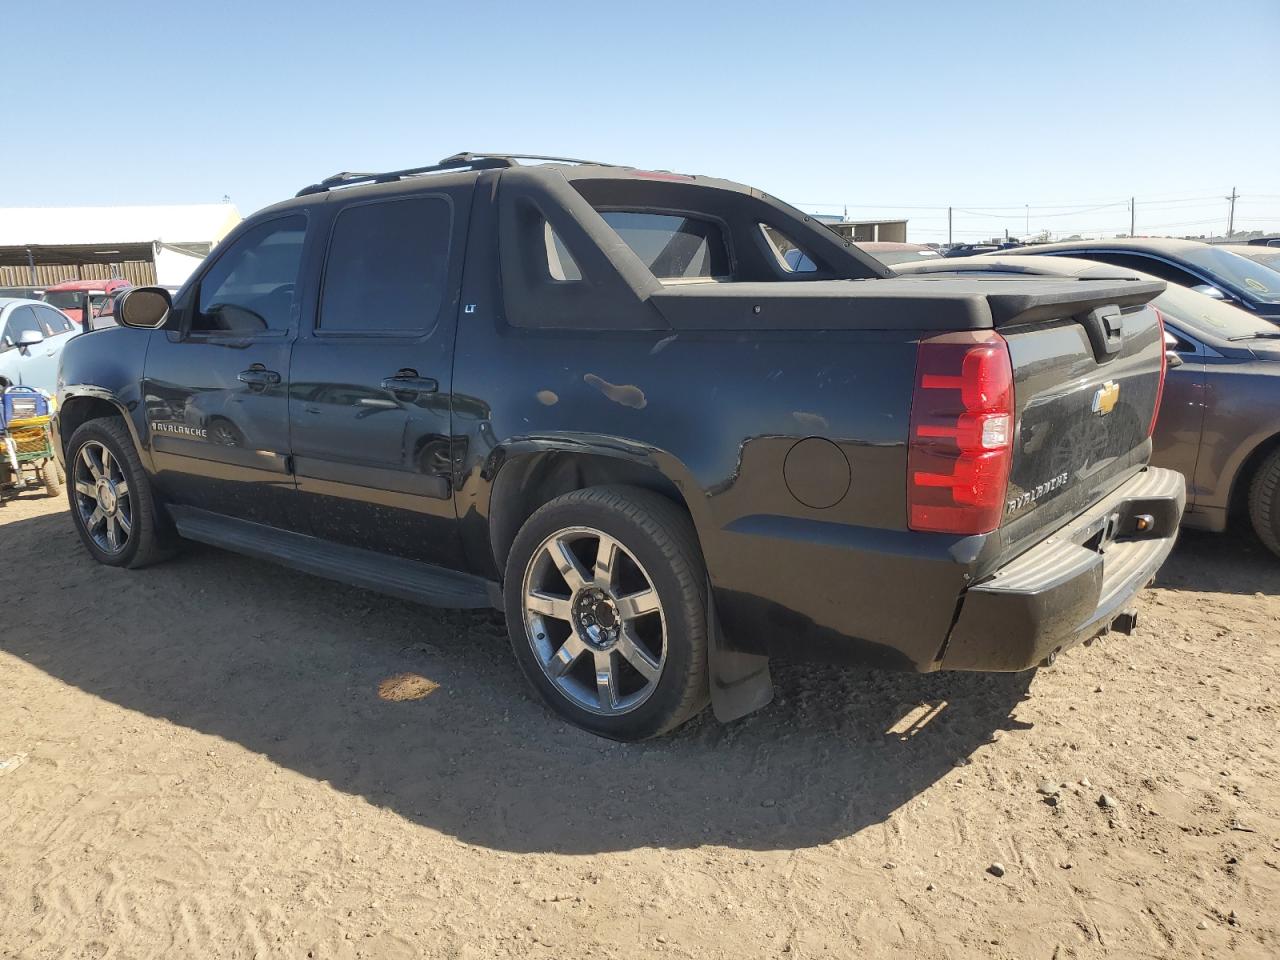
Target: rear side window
[
  {"x": 1143, "y": 264},
  {"x": 252, "y": 287},
  {"x": 560, "y": 261},
  {"x": 55, "y": 322},
  {"x": 672, "y": 246},
  {"x": 388, "y": 267},
  {"x": 787, "y": 252}
]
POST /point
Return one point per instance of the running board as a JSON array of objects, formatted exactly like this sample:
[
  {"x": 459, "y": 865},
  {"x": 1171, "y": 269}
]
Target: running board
[{"x": 406, "y": 579}]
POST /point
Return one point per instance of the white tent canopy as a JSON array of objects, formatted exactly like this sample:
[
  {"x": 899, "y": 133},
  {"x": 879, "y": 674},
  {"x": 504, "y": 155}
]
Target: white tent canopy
[
  {"x": 174, "y": 238},
  {"x": 56, "y": 226}
]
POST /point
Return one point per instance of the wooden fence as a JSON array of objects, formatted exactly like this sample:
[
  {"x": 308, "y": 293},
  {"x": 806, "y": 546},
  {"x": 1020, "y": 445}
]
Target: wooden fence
[{"x": 138, "y": 272}]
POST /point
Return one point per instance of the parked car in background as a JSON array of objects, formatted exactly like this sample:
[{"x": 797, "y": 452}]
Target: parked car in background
[
  {"x": 973, "y": 249},
  {"x": 888, "y": 252},
  {"x": 32, "y": 335},
  {"x": 1219, "y": 421},
  {"x": 891, "y": 253},
  {"x": 82, "y": 300},
  {"x": 22, "y": 293},
  {"x": 603, "y": 399},
  {"x": 1209, "y": 269},
  {"x": 1268, "y": 256}
]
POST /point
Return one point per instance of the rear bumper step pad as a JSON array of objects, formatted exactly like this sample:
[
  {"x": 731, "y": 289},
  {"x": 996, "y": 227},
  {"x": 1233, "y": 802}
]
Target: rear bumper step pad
[{"x": 1073, "y": 585}]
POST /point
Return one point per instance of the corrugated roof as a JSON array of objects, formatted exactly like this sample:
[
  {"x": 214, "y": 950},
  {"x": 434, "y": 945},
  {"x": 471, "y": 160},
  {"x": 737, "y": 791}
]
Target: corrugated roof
[{"x": 181, "y": 223}]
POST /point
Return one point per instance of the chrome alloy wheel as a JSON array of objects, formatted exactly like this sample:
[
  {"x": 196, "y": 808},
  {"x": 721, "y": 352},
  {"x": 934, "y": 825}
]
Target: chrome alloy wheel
[
  {"x": 102, "y": 497},
  {"x": 594, "y": 620}
]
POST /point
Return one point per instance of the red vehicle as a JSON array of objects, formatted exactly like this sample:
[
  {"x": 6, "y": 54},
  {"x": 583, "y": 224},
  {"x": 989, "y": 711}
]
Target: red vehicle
[{"x": 82, "y": 300}]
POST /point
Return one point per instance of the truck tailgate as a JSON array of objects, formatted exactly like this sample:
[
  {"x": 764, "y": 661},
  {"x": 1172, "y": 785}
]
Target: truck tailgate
[{"x": 1083, "y": 416}]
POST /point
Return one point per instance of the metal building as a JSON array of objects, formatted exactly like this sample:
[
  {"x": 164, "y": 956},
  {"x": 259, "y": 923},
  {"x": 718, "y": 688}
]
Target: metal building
[
  {"x": 868, "y": 230},
  {"x": 40, "y": 246}
]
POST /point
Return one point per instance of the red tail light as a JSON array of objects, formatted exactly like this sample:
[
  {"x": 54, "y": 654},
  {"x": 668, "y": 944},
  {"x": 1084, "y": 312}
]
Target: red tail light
[
  {"x": 961, "y": 442},
  {"x": 1164, "y": 371}
]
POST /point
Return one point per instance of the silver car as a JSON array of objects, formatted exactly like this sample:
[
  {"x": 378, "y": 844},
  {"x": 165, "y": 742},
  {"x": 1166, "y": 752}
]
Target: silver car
[{"x": 32, "y": 335}]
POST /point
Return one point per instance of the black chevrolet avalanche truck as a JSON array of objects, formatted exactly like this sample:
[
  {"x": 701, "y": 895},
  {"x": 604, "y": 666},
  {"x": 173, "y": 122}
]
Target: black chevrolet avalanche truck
[{"x": 606, "y": 401}]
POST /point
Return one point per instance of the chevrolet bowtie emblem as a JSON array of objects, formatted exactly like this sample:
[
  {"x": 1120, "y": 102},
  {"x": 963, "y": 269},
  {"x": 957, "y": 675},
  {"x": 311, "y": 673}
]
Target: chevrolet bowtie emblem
[{"x": 1104, "y": 401}]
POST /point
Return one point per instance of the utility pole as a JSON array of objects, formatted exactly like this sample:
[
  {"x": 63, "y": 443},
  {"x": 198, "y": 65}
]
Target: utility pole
[
  {"x": 1231, "y": 217},
  {"x": 1028, "y": 206},
  {"x": 948, "y": 226},
  {"x": 1133, "y": 218}
]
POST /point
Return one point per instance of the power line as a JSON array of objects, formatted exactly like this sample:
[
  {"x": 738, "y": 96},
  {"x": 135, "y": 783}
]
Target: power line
[
  {"x": 1068, "y": 213},
  {"x": 1043, "y": 210},
  {"x": 1183, "y": 200},
  {"x": 1018, "y": 208}
]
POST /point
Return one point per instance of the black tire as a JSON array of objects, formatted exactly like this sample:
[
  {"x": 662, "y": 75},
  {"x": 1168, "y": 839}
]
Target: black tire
[
  {"x": 661, "y": 538},
  {"x": 1264, "y": 502},
  {"x": 149, "y": 540}
]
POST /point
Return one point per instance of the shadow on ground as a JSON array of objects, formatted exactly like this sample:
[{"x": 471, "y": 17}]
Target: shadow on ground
[
  {"x": 1233, "y": 562},
  {"x": 289, "y": 666}
]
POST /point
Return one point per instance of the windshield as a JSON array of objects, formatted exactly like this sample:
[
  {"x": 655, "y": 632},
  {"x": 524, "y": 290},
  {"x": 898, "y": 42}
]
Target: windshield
[
  {"x": 65, "y": 299},
  {"x": 1251, "y": 278},
  {"x": 1208, "y": 317},
  {"x": 1267, "y": 256}
]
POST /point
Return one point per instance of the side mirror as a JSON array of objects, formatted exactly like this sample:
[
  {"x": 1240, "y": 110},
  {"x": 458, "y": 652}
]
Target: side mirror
[
  {"x": 145, "y": 307},
  {"x": 30, "y": 338},
  {"x": 1171, "y": 356},
  {"x": 1209, "y": 290}
]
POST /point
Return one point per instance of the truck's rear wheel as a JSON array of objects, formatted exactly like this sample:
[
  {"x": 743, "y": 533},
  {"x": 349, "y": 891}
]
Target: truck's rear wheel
[
  {"x": 606, "y": 610},
  {"x": 1264, "y": 502},
  {"x": 110, "y": 495}
]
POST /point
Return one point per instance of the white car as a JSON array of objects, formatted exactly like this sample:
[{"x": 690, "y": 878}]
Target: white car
[{"x": 32, "y": 335}]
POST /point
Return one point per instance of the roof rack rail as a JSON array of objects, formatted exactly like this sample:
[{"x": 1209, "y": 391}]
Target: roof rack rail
[{"x": 459, "y": 161}]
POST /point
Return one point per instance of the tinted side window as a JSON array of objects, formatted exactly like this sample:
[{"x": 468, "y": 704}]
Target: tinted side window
[
  {"x": 252, "y": 286},
  {"x": 1183, "y": 344},
  {"x": 560, "y": 262},
  {"x": 8, "y": 336},
  {"x": 672, "y": 246},
  {"x": 55, "y": 322},
  {"x": 20, "y": 321},
  {"x": 387, "y": 268},
  {"x": 787, "y": 252},
  {"x": 1136, "y": 261}
]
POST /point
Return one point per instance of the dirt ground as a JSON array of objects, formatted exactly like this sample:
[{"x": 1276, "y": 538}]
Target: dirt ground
[{"x": 220, "y": 758}]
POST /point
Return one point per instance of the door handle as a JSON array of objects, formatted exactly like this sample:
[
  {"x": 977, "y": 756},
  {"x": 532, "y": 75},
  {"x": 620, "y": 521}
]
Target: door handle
[
  {"x": 405, "y": 382},
  {"x": 258, "y": 376}
]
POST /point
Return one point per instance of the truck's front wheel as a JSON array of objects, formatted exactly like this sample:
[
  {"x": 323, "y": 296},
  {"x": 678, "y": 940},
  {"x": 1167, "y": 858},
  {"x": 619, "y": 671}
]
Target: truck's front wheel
[
  {"x": 111, "y": 502},
  {"x": 606, "y": 608}
]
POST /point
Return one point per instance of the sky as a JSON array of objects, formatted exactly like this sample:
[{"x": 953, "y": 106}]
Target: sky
[{"x": 1047, "y": 116}]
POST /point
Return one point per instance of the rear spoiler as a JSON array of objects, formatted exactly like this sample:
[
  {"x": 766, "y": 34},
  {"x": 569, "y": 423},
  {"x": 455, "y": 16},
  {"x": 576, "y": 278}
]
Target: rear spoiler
[
  {"x": 1063, "y": 298},
  {"x": 898, "y": 303}
]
